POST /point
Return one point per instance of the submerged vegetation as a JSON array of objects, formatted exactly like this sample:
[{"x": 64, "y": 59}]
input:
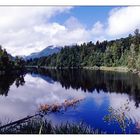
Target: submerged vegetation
[
  {"x": 123, "y": 52},
  {"x": 119, "y": 116}
]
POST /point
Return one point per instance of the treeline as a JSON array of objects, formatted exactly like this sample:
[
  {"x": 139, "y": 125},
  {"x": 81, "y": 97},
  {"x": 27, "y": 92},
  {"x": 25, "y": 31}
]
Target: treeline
[
  {"x": 9, "y": 63},
  {"x": 120, "y": 52}
]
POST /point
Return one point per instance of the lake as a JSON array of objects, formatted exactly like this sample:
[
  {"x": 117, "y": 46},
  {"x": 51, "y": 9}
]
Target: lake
[{"x": 111, "y": 100}]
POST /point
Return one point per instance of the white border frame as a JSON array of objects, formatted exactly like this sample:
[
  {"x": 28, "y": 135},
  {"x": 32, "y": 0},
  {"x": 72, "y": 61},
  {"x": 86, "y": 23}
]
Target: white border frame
[{"x": 70, "y": 3}]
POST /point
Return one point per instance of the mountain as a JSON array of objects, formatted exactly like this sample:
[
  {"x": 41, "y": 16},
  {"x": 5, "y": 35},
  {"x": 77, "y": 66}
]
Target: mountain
[{"x": 45, "y": 52}]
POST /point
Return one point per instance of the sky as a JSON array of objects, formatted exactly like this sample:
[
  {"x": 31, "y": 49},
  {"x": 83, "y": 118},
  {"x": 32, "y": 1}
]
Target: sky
[{"x": 27, "y": 29}]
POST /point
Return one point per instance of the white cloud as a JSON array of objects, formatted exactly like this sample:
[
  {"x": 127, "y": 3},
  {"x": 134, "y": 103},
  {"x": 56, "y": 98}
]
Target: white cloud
[
  {"x": 57, "y": 34},
  {"x": 26, "y": 16},
  {"x": 123, "y": 21},
  {"x": 27, "y": 29},
  {"x": 73, "y": 23},
  {"x": 97, "y": 28},
  {"x": 17, "y": 27}
]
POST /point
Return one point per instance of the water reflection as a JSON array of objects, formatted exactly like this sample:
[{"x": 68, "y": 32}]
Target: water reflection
[
  {"x": 20, "y": 81},
  {"x": 7, "y": 80},
  {"x": 101, "y": 90},
  {"x": 119, "y": 116},
  {"x": 89, "y": 81}
]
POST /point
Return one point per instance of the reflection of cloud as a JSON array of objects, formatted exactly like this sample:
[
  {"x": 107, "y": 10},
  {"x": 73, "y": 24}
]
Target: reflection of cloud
[
  {"x": 99, "y": 99},
  {"x": 26, "y": 99},
  {"x": 118, "y": 100}
]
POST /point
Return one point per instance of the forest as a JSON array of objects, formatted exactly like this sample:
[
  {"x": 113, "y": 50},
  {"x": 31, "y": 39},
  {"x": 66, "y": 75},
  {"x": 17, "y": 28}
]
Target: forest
[
  {"x": 114, "y": 53},
  {"x": 9, "y": 63}
]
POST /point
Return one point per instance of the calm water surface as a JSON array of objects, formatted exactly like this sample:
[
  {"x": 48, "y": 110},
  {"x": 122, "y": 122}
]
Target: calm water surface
[{"x": 111, "y": 100}]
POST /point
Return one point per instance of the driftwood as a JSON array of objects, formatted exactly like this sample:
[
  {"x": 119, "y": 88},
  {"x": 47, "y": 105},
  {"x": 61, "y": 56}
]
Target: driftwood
[{"x": 57, "y": 107}]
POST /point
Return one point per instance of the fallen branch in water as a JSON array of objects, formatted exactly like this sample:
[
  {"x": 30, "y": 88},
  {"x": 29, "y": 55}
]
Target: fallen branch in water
[{"x": 58, "y": 107}]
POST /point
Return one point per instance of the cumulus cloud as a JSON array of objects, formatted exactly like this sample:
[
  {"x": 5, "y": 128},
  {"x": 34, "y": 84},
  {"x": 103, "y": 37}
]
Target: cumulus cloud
[
  {"x": 62, "y": 35},
  {"x": 73, "y": 23},
  {"x": 123, "y": 20},
  {"x": 28, "y": 29},
  {"x": 120, "y": 22},
  {"x": 18, "y": 27},
  {"x": 97, "y": 28}
]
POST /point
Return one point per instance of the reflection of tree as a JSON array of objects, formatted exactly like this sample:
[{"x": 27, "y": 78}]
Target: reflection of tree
[
  {"x": 20, "y": 81},
  {"x": 89, "y": 80},
  {"x": 119, "y": 116},
  {"x": 7, "y": 80}
]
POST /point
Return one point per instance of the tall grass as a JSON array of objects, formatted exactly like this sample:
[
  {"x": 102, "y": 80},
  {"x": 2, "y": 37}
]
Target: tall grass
[{"x": 40, "y": 126}]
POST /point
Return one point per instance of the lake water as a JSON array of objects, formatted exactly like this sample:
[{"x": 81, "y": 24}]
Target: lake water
[{"x": 111, "y": 99}]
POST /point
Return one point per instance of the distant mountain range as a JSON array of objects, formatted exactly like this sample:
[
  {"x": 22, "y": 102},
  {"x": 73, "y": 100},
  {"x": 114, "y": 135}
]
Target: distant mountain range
[{"x": 45, "y": 52}]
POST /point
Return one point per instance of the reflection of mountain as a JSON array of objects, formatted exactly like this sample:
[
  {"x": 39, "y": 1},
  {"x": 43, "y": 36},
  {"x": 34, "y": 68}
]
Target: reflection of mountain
[
  {"x": 44, "y": 77},
  {"x": 7, "y": 80},
  {"x": 99, "y": 80}
]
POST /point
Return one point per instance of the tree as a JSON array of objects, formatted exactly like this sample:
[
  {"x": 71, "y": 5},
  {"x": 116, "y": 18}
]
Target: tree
[
  {"x": 132, "y": 57},
  {"x": 136, "y": 40}
]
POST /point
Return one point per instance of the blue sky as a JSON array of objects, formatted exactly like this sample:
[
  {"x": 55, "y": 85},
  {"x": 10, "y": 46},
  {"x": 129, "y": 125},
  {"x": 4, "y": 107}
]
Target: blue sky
[
  {"x": 25, "y": 30},
  {"x": 87, "y": 15}
]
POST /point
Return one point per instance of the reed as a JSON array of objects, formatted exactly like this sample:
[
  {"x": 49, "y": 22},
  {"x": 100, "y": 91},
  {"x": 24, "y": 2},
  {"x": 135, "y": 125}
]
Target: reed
[{"x": 40, "y": 126}]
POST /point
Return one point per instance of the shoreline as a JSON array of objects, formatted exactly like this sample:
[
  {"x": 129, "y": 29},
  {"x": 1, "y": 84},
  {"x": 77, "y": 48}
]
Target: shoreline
[
  {"x": 14, "y": 72},
  {"x": 102, "y": 68}
]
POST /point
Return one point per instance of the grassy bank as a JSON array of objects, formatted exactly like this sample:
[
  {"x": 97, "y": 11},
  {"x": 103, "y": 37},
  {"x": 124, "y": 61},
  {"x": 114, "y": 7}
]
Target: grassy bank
[
  {"x": 39, "y": 126},
  {"x": 119, "y": 69},
  {"x": 104, "y": 68}
]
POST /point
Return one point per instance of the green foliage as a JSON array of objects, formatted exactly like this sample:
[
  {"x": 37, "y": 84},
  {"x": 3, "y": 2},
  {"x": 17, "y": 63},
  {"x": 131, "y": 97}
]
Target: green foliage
[
  {"x": 120, "y": 52},
  {"x": 9, "y": 63}
]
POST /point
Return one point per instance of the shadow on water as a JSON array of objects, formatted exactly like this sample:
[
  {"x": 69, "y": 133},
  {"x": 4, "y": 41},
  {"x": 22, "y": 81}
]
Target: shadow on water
[{"x": 88, "y": 80}]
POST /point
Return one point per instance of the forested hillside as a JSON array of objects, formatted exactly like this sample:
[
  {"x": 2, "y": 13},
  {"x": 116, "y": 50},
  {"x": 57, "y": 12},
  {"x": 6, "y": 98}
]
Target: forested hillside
[
  {"x": 119, "y": 52},
  {"x": 9, "y": 63}
]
